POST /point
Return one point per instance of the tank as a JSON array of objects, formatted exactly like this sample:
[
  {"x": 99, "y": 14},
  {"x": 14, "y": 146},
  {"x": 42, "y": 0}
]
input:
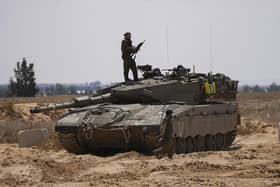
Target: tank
[{"x": 128, "y": 116}]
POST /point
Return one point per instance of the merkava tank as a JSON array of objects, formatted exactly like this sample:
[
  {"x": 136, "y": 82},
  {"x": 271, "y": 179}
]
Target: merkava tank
[{"x": 128, "y": 116}]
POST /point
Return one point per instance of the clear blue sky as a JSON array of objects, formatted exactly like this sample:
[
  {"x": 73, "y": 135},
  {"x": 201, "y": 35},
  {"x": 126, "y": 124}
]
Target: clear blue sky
[{"x": 79, "y": 40}]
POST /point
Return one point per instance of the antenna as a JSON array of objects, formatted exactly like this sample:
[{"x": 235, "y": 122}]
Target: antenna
[
  {"x": 167, "y": 46},
  {"x": 211, "y": 47}
]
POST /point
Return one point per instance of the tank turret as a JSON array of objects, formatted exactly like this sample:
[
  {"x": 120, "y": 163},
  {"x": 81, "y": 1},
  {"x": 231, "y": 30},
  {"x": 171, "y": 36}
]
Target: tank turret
[{"x": 177, "y": 85}]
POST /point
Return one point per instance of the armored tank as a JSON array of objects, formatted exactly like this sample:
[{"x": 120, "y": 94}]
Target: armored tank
[{"x": 128, "y": 116}]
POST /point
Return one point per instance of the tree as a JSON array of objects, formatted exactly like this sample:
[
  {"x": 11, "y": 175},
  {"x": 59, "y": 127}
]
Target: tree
[
  {"x": 60, "y": 89},
  {"x": 3, "y": 90},
  {"x": 24, "y": 83},
  {"x": 50, "y": 90},
  {"x": 246, "y": 88},
  {"x": 72, "y": 90},
  {"x": 257, "y": 88},
  {"x": 273, "y": 87}
]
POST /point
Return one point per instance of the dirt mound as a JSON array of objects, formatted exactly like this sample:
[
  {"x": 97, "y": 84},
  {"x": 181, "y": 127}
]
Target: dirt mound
[
  {"x": 250, "y": 126},
  {"x": 16, "y": 117},
  {"x": 21, "y": 112},
  {"x": 39, "y": 99},
  {"x": 7, "y": 112}
]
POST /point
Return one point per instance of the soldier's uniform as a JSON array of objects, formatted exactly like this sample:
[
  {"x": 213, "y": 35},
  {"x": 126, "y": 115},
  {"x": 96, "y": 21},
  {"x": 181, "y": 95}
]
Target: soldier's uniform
[
  {"x": 166, "y": 130},
  {"x": 128, "y": 61}
]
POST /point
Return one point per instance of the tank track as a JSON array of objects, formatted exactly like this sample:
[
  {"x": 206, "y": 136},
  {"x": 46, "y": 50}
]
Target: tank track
[
  {"x": 71, "y": 143},
  {"x": 203, "y": 143}
]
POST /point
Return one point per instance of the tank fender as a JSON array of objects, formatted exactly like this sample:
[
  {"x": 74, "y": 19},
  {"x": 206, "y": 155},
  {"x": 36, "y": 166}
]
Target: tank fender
[{"x": 220, "y": 118}]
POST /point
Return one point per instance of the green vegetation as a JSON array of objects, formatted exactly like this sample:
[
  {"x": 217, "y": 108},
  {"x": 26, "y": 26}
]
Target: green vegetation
[{"x": 24, "y": 84}]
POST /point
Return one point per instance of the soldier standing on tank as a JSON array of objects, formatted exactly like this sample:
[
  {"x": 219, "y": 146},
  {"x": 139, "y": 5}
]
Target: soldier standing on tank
[
  {"x": 166, "y": 132},
  {"x": 128, "y": 50}
]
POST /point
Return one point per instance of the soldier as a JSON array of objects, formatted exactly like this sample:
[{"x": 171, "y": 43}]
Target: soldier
[
  {"x": 128, "y": 50},
  {"x": 166, "y": 130}
]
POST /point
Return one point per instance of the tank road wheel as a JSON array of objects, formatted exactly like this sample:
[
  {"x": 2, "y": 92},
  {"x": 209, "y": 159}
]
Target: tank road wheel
[
  {"x": 181, "y": 145},
  {"x": 178, "y": 146},
  {"x": 220, "y": 141},
  {"x": 174, "y": 145},
  {"x": 210, "y": 143},
  {"x": 71, "y": 144},
  {"x": 200, "y": 143},
  {"x": 230, "y": 136},
  {"x": 190, "y": 145}
]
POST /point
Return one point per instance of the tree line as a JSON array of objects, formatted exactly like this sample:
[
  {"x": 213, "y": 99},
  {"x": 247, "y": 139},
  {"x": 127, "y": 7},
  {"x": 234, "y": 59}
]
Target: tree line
[
  {"x": 274, "y": 87},
  {"x": 58, "y": 89},
  {"x": 23, "y": 84}
]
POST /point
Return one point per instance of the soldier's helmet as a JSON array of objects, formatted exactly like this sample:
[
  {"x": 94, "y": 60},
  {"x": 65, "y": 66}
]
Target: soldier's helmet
[{"x": 126, "y": 34}]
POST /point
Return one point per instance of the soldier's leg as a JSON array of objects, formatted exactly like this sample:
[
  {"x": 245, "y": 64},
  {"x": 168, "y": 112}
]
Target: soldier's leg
[
  {"x": 134, "y": 70},
  {"x": 125, "y": 69},
  {"x": 129, "y": 66}
]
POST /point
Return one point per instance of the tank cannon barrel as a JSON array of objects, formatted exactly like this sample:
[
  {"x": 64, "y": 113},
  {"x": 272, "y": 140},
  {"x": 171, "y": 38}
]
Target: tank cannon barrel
[{"x": 75, "y": 103}]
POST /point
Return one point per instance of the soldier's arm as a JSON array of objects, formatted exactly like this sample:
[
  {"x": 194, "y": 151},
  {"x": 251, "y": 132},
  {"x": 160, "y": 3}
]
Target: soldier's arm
[
  {"x": 127, "y": 49},
  {"x": 132, "y": 49}
]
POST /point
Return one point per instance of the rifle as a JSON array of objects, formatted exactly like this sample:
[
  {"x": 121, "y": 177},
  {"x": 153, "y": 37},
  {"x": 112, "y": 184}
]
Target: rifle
[
  {"x": 139, "y": 46},
  {"x": 133, "y": 55}
]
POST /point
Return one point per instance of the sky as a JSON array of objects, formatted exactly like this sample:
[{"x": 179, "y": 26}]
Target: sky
[{"x": 75, "y": 41}]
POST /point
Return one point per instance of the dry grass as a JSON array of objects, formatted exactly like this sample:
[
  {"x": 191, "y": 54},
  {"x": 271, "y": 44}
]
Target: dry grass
[
  {"x": 271, "y": 96},
  {"x": 39, "y": 99},
  {"x": 8, "y": 109},
  {"x": 260, "y": 106}
]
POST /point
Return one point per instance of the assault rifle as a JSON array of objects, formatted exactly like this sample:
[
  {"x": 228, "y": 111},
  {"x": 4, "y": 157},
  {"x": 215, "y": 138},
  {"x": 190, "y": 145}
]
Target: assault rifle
[{"x": 139, "y": 46}]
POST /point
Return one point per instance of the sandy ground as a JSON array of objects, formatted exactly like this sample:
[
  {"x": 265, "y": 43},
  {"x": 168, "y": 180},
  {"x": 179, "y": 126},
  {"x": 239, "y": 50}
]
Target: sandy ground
[{"x": 253, "y": 160}]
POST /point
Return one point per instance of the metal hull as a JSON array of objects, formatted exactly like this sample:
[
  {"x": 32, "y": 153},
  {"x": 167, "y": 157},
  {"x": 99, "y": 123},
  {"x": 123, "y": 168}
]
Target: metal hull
[{"x": 196, "y": 127}]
